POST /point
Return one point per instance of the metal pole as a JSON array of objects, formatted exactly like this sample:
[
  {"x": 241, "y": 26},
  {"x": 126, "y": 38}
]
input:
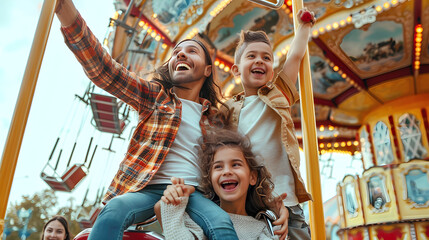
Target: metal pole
[
  {"x": 23, "y": 104},
  {"x": 310, "y": 145}
]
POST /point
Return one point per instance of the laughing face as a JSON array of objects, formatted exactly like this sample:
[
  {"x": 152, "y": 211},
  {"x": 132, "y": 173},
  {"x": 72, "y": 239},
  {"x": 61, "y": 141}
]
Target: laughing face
[
  {"x": 255, "y": 67},
  {"x": 231, "y": 178},
  {"x": 54, "y": 231},
  {"x": 188, "y": 64}
]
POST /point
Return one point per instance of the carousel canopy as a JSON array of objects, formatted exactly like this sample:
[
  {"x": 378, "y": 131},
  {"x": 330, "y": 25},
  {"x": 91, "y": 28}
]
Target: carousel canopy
[{"x": 363, "y": 53}]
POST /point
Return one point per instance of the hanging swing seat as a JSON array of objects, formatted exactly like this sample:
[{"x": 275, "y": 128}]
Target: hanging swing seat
[
  {"x": 89, "y": 222},
  {"x": 94, "y": 214},
  {"x": 66, "y": 182},
  {"x": 73, "y": 174},
  {"x": 84, "y": 223},
  {"x": 105, "y": 110}
]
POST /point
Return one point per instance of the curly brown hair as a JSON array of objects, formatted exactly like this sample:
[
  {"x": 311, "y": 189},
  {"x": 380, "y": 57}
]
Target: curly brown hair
[{"x": 259, "y": 197}]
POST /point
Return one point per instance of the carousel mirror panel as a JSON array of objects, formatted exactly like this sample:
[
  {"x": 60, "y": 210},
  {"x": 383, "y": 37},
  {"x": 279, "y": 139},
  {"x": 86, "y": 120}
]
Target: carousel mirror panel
[
  {"x": 352, "y": 201},
  {"x": 377, "y": 191},
  {"x": 340, "y": 205},
  {"x": 412, "y": 189},
  {"x": 378, "y": 195},
  {"x": 411, "y": 137},
  {"x": 365, "y": 145},
  {"x": 382, "y": 144}
]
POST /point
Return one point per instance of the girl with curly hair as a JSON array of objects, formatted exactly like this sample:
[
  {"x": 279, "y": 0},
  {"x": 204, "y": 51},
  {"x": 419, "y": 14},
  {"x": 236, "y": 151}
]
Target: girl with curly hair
[{"x": 232, "y": 177}]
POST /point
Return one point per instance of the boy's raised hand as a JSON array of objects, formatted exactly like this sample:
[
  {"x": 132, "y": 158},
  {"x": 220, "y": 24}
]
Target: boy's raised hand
[
  {"x": 306, "y": 16},
  {"x": 299, "y": 44},
  {"x": 178, "y": 189}
]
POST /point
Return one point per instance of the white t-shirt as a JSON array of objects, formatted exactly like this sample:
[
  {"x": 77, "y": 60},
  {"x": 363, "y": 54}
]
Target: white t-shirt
[
  {"x": 182, "y": 159},
  {"x": 263, "y": 126}
]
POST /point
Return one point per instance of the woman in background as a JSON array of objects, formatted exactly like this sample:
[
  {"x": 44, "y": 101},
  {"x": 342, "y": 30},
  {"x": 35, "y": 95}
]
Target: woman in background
[{"x": 57, "y": 228}]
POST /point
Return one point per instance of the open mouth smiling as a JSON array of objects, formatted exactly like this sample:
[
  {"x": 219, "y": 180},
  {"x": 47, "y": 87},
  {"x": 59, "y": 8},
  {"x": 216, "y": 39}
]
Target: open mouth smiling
[
  {"x": 258, "y": 71},
  {"x": 229, "y": 185},
  {"x": 182, "y": 67}
]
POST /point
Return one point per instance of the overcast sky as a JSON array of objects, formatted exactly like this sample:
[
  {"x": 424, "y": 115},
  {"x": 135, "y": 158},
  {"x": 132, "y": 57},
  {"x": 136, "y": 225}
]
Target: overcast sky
[{"x": 52, "y": 113}]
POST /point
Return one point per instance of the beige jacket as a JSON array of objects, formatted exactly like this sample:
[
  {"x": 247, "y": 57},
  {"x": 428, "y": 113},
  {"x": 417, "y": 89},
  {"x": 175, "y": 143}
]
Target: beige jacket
[{"x": 279, "y": 95}]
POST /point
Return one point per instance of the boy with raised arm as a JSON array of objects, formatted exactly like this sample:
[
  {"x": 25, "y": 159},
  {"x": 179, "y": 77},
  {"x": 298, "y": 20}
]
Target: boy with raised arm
[{"x": 263, "y": 113}]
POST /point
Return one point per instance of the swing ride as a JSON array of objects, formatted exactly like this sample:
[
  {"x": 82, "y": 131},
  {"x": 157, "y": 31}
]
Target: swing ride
[
  {"x": 109, "y": 116},
  {"x": 366, "y": 72}
]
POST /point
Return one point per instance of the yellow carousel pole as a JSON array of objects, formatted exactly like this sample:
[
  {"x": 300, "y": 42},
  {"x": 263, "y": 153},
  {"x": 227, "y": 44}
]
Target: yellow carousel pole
[
  {"x": 23, "y": 105},
  {"x": 310, "y": 145}
]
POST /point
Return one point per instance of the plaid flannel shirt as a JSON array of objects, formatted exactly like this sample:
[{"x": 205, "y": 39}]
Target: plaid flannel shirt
[{"x": 159, "y": 109}]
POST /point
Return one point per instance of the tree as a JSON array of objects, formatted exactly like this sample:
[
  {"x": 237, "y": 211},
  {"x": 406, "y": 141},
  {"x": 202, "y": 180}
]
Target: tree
[{"x": 44, "y": 205}]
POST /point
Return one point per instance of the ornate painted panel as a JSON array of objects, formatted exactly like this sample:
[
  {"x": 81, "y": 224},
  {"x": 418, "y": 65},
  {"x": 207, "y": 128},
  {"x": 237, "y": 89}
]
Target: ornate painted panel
[
  {"x": 375, "y": 48},
  {"x": 360, "y": 233},
  {"x": 352, "y": 201},
  {"x": 173, "y": 16},
  {"x": 224, "y": 33},
  {"x": 412, "y": 189},
  {"x": 378, "y": 197},
  {"x": 411, "y": 137},
  {"x": 366, "y": 147},
  {"x": 391, "y": 232},
  {"x": 382, "y": 144},
  {"x": 380, "y": 45},
  {"x": 327, "y": 83}
]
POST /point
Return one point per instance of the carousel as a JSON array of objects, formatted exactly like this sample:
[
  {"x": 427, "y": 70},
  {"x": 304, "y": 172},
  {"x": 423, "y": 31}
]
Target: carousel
[{"x": 365, "y": 79}]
